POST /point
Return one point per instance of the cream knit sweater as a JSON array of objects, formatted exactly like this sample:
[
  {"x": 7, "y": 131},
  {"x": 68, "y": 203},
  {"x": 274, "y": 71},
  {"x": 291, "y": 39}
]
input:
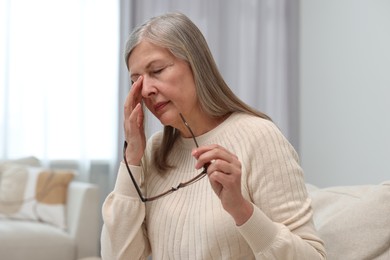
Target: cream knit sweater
[{"x": 191, "y": 223}]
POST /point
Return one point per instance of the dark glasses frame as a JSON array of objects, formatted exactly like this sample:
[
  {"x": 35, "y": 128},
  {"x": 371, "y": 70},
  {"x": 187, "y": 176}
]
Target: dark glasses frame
[{"x": 175, "y": 188}]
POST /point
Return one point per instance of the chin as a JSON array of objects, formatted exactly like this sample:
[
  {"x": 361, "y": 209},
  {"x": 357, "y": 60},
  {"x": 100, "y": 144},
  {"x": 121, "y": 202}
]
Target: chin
[{"x": 168, "y": 119}]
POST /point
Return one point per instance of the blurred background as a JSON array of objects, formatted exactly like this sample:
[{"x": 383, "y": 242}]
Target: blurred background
[{"x": 320, "y": 69}]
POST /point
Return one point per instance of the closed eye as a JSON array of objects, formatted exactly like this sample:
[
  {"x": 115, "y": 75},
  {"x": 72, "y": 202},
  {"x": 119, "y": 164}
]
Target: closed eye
[
  {"x": 158, "y": 71},
  {"x": 134, "y": 78}
]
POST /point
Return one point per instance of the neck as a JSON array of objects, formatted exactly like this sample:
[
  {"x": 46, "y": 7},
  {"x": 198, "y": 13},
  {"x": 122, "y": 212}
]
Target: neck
[{"x": 201, "y": 125}]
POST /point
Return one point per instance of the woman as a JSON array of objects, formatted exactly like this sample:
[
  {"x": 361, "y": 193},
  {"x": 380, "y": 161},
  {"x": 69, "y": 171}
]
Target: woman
[{"x": 253, "y": 203}]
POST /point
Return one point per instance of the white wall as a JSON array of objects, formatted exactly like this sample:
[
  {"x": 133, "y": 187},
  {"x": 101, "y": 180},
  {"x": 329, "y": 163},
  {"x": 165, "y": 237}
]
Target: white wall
[{"x": 345, "y": 91}]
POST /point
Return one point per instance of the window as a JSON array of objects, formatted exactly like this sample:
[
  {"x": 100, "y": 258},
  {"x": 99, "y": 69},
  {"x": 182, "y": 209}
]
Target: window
[{"x": 59, "y": 78}]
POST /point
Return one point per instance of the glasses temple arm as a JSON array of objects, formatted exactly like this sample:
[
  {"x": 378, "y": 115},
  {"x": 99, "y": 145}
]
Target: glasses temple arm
[
  {"x": 131, "y": 175},
  {"x": 189, "y": 129}
]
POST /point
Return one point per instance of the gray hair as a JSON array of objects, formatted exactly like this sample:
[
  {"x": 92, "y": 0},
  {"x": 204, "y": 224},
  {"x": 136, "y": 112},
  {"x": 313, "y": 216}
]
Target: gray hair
[{"x": 177, "y": 33}]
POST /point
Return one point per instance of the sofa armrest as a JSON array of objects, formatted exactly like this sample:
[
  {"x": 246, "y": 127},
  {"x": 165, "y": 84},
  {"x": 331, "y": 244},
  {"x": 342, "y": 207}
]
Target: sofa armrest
[
  {"x": 353, "y": 220},
  {"x": 83, "y": 217}
]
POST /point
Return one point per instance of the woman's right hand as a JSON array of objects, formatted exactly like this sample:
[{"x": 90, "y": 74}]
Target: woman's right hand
[{"x": 134, "y": 124}]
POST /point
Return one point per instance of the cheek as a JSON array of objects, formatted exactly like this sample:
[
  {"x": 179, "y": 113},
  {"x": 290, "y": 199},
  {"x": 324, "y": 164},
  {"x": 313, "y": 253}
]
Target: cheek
[{"x": 148, "y": 105}]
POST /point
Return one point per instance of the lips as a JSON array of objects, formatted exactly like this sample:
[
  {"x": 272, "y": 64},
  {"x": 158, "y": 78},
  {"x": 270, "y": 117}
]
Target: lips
[{"x": 160, "y": 105}]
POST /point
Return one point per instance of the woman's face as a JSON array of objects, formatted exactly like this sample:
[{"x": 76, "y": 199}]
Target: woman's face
[{"x": 168, "y": 86}]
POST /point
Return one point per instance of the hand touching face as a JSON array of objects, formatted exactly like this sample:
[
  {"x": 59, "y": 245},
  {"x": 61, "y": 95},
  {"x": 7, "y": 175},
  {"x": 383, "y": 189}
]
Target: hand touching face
[{"x": 134, "y": 124}]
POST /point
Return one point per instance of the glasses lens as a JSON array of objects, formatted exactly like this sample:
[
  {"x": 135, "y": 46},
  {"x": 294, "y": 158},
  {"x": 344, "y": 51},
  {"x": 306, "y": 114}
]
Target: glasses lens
[{"x": 181, "y": 185}]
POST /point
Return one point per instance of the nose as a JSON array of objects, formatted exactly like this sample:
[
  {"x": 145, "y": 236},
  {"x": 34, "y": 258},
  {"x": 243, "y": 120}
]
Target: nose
[{"x": 148, "y": 87}]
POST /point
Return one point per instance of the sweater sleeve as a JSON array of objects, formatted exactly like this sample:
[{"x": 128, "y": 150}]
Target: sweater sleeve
[
  {"x": 123, "y": 234},
  {"x": 281, "y": 226}
]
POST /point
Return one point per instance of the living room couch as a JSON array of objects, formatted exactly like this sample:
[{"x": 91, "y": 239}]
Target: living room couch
[
  {"x": 37, "y": 240},
  {"x": 353, "y": 221}
]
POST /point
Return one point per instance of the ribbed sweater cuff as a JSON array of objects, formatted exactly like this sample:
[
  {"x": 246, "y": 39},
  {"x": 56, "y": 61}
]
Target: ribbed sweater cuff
[
  {"x": 124, "y": 185},
  {"x": 259, "y": 231}
]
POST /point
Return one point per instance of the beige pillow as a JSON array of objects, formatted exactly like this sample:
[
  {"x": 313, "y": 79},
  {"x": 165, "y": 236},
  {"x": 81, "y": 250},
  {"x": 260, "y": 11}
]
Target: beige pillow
[
  {"x": 34, "y": 193},
  {"x": 353, "y": 221}
]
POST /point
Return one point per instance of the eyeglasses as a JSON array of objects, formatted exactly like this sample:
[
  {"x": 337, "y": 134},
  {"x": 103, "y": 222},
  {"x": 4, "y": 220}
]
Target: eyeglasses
[{"x": 175, "y": 188}]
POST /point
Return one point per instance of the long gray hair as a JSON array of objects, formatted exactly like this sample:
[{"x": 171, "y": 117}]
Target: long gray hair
[{"x": 183, "y": 39}]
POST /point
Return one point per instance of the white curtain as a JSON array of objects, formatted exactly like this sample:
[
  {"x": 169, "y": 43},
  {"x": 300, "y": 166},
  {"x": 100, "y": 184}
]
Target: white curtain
[
  {"x": 255, "y": 44},
  {"x": 58, "y": 81}
]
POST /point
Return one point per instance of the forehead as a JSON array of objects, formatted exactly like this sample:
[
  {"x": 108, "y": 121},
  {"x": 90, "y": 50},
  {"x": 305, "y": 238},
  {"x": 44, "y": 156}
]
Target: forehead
[{"x": 146, "y": 53}]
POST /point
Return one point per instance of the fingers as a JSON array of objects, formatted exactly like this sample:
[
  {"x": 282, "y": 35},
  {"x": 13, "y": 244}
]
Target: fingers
[
  {"x": 133, "y": 112},
  {"x": 220, "y": 159},
  {"x": 224, "y": 168},
  {"x": 137, "y": 115},
  {"x": 134, "y": 97},
  {"x": 224, "y": 172},
  {"x": 134, "y": 124}
]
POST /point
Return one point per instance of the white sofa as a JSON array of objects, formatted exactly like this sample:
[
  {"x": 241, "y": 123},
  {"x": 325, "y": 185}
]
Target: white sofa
[
  {"x": 34, "y": 240},
  {"x": 21, "y": 240},
  {"x": 26, "y": 240},
  {"x": 353, "y": 221}
]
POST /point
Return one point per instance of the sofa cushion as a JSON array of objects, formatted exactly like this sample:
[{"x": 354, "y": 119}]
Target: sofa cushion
[
  {"x": 353, "y": 221},
  {"x": 33, "y": 193},
  {"x": 28, "y": 160},
  {"x": 34, "y": 241}
]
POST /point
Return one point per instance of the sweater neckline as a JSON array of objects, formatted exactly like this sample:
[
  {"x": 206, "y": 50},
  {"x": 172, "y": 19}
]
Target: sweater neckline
[{"x": 188, "y": 142}]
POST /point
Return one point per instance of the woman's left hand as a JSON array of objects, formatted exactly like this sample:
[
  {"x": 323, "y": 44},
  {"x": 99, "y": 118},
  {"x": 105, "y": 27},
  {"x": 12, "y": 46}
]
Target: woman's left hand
[{"x": 224, "y": 172}]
